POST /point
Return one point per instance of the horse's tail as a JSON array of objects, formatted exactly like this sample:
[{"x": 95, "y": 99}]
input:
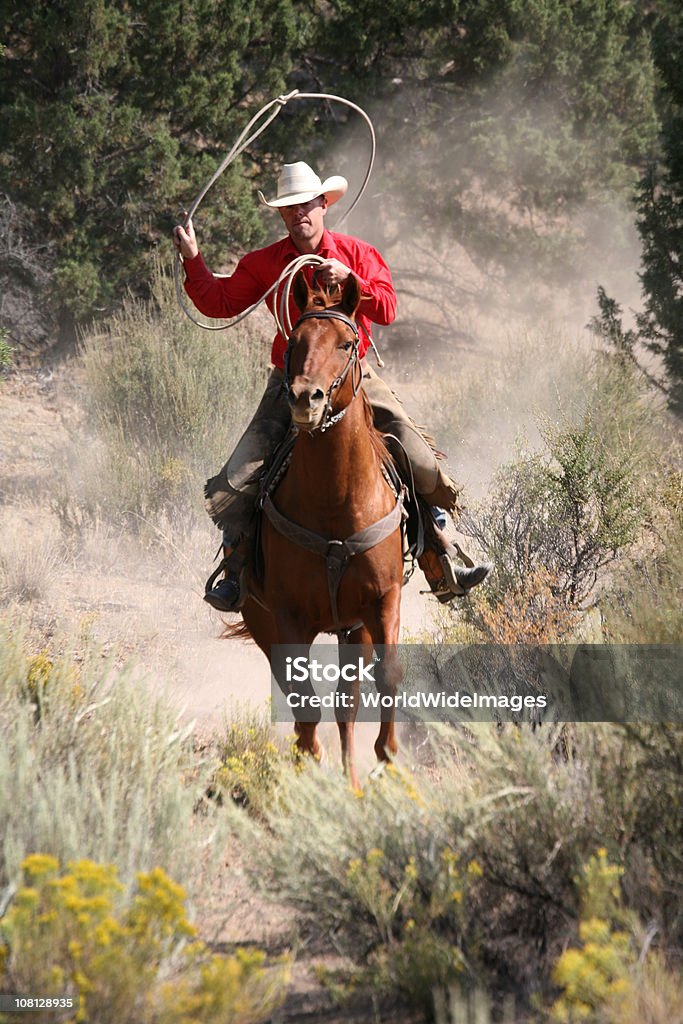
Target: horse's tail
[{"x": 236, "y": 631}]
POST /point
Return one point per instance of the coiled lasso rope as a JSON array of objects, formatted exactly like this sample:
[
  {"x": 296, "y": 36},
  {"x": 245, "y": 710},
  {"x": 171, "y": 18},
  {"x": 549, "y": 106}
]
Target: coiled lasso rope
[{"x": 249, "y": 135}]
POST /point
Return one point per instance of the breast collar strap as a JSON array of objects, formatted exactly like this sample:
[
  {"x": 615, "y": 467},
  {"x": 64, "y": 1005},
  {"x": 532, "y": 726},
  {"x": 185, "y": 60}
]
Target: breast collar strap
[{"x": 328, "y": 418}]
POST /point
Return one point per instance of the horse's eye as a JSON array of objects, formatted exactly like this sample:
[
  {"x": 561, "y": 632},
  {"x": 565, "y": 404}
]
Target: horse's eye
[{"x": 346, "y": 346}]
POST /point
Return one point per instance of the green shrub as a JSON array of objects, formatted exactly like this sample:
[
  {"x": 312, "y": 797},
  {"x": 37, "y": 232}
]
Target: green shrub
[
  {"x": 165, "y": 383},
  {"x": 165, "y": 403},
  {"x": 107, "y": 482},
  {"x": 556, "y": 519},
  {"x": 452, "y": 874},
  {"x": 123, "y": 957},
  {"x": 569, "y": 510},
  {"x": 419, "y": 930},
  {"x": 79, "y": 281}
]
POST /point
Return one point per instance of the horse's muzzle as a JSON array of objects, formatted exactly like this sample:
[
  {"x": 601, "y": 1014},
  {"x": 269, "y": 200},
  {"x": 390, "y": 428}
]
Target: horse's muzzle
[{"x": 307, "y": 402}]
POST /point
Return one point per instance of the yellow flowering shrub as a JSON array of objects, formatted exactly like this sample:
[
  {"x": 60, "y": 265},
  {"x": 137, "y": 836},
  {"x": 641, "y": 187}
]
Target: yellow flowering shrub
[
  {"x": 43, "y": 676},
  {"x": 250, "y": 760},
  {"x": 597, "y": 974},
  {"x": 39, "y": 668},
  {"x": 417, "y": 911},
  {"x": 118, "y": 956},
  {"x": 249, "y": 777}
]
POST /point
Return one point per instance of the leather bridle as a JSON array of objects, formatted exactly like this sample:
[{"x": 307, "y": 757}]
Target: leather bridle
[{"x": 329, "y": 418}]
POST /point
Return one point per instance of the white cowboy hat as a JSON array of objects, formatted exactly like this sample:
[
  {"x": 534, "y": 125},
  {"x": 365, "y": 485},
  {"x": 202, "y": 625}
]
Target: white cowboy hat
[{"x": 298, "y": 183}]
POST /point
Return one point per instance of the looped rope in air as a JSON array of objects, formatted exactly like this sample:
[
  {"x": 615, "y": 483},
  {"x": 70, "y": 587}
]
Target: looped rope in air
[{"x": 281, "y": 306}]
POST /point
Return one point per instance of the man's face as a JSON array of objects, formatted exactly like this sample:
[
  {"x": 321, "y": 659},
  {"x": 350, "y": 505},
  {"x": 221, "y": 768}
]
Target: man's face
[{"x": 305, "y": 222}]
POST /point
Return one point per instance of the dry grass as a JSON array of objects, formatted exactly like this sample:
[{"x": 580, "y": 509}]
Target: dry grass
[
  {"x": 477, "y": 410},
  {"x": 656, "y": 996},
  {"x": 29, "y": 564},
  {"x": 164, "y": 403}
]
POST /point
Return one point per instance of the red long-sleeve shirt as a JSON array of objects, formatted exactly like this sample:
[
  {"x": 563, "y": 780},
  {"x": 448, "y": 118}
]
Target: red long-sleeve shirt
[{"x": 257, "y": 271}]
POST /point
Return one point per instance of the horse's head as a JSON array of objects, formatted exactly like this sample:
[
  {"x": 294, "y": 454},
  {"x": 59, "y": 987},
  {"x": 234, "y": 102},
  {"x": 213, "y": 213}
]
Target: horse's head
[{"x": 322, "y": 370}]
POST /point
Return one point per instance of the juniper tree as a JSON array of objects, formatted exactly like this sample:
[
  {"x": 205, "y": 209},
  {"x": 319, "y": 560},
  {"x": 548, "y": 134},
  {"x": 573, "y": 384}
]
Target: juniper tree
[
  {"x": 661, "y": 211},
  {"x": 113, "y": 113}
]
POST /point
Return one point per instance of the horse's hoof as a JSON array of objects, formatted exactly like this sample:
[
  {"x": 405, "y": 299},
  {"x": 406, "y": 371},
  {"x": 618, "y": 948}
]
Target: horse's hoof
[{"x": 378, "y": 771}]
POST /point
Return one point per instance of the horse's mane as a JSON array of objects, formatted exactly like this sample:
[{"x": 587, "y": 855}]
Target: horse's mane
[{"x": 376, "y": 438}]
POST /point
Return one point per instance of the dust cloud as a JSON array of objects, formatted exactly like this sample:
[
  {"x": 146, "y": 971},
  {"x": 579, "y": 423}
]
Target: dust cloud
[{"x": 491, "y": 334}]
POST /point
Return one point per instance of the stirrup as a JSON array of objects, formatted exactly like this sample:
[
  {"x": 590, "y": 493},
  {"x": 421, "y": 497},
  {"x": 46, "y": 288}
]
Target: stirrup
[
  {"x": 223, "y": 603},
  {"x": 443, "y": 592},
  {"x": 210, "y": 583},
  {"x": 456, "y": 582}
]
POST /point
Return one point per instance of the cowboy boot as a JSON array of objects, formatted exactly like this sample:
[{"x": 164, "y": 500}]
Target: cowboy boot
[{"x": 446, "y": 579}]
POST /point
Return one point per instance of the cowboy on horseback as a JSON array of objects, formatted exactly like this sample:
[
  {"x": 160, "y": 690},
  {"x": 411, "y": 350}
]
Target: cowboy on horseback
[{"x": 302, "y": 200}]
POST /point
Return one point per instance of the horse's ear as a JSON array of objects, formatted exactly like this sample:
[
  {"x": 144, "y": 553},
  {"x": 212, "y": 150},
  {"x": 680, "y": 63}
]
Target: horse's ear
[
  {"x": 301, "y": 291},
  {"x": 350, "y": 300}
]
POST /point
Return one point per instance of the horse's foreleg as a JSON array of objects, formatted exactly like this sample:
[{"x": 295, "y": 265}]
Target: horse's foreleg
[
  {"x": 346, "y": 716},
  {"x": 384, "y": 628},
  {"x": 288, "y": 632},
  {"x": 389, "y": 676}
]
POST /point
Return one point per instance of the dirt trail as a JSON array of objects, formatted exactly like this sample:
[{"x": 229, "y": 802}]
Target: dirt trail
[{"x": 122, "y": 598}]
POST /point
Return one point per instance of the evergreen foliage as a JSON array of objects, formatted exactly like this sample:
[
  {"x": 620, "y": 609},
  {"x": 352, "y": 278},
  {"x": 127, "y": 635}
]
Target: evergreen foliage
[
  {"x": 113, "y": 115},
  {"x": 500, "y": 120},
  {"x": 661, "y": 211}
]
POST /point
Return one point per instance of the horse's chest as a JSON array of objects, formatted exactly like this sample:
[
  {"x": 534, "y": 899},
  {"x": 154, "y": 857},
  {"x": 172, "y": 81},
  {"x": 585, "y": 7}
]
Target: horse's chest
[{"x": 307, "y": 588}]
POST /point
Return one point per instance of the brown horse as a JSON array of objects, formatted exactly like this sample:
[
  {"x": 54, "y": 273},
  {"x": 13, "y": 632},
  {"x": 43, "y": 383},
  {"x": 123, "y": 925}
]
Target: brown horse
[{"x": 333, "y": 491}]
